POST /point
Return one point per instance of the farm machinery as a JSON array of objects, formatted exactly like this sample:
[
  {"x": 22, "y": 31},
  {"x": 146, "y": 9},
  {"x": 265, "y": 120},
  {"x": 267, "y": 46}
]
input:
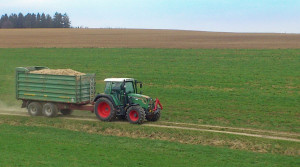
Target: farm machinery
[{"x": 49, "y": 94}]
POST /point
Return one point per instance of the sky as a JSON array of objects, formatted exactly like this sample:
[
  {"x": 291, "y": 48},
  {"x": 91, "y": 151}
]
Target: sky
[{"x": 280, "y": 16}]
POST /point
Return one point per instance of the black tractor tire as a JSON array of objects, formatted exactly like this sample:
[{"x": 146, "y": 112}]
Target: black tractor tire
[
  {"x": 50, "y": 110},
  {"x": 104, "y": 109},
  {"x": 66, "y": 111},
  {"x": 135, "y": 115},
  {"x": 154, "y": 117},
  {"x": 34, "y": 109}
]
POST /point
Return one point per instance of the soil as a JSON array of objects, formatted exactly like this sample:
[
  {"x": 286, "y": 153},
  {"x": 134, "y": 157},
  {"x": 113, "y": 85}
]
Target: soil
[
  {"x": 143, "y": 38},
  {"x": 58, "y": 72}
]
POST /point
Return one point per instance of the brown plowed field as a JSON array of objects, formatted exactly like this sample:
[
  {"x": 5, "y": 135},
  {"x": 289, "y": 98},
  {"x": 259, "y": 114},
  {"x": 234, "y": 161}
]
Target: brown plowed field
[{"x": 141, "y": 38}]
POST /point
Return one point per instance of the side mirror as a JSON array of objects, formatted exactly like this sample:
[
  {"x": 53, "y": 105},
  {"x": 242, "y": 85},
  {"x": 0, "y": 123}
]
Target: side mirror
[{"x": 141, "y": 85}]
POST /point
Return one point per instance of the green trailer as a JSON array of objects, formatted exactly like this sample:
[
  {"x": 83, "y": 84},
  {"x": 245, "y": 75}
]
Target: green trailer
[{"x": 54, "y": 92}]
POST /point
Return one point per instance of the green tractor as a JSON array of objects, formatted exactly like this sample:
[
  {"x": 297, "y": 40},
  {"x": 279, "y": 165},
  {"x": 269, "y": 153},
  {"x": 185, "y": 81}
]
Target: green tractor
[{"x": 121, "y": 99}]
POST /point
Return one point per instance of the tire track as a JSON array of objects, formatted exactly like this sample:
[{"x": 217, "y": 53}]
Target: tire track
[
  {"x": 273, "y": 137},
  {"x": 235, "y": 128},
  {"x": 226, "y": 132}
]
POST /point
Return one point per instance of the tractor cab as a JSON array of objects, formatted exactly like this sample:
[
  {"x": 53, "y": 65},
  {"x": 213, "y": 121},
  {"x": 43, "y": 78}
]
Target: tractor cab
[
  {"x": 113, "y": 85},
  {"x": 126, "y": 102},
  {"x": 124, "y": 91}
]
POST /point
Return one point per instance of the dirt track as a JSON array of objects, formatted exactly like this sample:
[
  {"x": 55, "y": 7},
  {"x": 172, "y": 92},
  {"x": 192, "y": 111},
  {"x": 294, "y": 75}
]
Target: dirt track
[
  {"x": 275, "y": 135},
  {"x": 141, "y": 38}
]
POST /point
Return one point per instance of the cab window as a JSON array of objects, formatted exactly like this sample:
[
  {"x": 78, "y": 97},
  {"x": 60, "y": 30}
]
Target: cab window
[
  {"x": 129, "y": 87},
  {"x": 107, "y": 88},
  {"x": 116, "y": 85}
]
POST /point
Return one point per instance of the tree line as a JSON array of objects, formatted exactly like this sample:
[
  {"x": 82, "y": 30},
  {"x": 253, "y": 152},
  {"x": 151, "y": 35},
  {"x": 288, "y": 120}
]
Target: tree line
[{"x": 32, "y": 20}]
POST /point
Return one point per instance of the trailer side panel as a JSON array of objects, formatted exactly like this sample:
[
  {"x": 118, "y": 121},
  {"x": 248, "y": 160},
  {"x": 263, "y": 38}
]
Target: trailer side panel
[{"x": 54, "y": 88}]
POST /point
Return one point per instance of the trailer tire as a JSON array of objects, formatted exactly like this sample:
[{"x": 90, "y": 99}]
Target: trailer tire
[
  {"x": 154, "y": 117},
  {"x": 104, "y": 109},
  {"x": 34, "y": 109},
  {"x": 136, "y": 115},
  {"x": 50, "y": 110},
  {"x": 66, "y": 111}
]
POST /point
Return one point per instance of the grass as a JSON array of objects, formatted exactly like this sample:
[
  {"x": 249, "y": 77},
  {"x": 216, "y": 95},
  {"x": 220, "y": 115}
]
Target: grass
[
  {"x": 123, "y": 129},
  {"x": 44, "y": 146},
  {"x": 241, "y": 88}
]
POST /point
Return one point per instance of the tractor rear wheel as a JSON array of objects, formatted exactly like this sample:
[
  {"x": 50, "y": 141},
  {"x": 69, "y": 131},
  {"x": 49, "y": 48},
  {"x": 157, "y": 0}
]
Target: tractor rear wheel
[
  {"x": 136, "y": 115},
  {"x": 66, "y": 111},
  {"x": 104, "y": 109},
  {"x": 153, "y": 117},
  {"x": 50, "y": 110},
  {"x": 34, "y": 109}
]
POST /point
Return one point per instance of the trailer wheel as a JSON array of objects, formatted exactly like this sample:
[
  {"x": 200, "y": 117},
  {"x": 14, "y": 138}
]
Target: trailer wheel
[
  {"x": 153, "y": 117},
  {"x": 34, "y": 109},
  {"x": 135, "y": 115},
  {"x": 50, "y": 110},
  {"x": 104, "y": 109},
  {"x": 66, "y": 111}
]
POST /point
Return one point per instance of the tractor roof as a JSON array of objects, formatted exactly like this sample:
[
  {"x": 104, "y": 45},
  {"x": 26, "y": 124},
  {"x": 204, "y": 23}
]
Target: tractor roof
[{"x": 118, "y": 79}]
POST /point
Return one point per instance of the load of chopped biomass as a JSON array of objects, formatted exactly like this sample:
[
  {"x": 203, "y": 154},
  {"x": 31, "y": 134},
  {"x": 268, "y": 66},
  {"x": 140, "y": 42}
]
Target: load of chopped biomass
[{"x": 58, "y": 72}]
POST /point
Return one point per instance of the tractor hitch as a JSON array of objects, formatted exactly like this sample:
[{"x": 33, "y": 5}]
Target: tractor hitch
[{"x": 157, "y": 102}]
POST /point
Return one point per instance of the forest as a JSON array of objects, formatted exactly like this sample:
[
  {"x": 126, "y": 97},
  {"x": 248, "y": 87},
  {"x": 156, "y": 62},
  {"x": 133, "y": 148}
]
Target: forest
[{"x": 32, "y": 20}]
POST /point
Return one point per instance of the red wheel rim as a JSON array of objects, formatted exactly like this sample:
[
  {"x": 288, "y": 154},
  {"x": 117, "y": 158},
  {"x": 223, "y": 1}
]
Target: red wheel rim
[
  {"x": 103, "y": 110},
  {"x": 134, "y": 115}
]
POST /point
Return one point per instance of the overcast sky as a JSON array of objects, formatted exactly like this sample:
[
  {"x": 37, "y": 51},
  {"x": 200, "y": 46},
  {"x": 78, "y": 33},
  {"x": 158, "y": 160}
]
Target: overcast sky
[{"x": 282, "y": 16}]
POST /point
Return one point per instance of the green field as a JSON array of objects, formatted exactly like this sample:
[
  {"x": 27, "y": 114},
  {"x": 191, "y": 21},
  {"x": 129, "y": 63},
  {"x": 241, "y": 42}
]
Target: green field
[
  {"x": 124, "y": 129},
  {"x": 241, "y": 88},
  {"x": 257, "y": 89},
  {"x": 43, "y": 146}
]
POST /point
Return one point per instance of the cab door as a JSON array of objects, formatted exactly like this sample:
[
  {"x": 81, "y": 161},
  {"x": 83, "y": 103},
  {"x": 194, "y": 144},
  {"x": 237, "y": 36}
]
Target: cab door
[{"x": 117, "y": 93}]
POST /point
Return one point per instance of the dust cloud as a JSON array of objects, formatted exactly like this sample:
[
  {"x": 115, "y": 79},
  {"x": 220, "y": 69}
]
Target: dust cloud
[{"x": 4, "y": 108}]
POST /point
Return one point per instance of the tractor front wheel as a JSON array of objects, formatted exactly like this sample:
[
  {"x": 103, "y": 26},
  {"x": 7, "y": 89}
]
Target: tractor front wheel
[
  {"x": 104, "y": 110},
  {"x": 135, "y": 115}
]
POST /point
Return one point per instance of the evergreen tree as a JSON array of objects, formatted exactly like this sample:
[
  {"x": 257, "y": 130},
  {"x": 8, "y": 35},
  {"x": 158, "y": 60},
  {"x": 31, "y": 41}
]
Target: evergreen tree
[
  {"x": 38, "y": 20},
  {"x": 4, "y": 18},
  {"x": 5, "y": 23},
  {"x": 57, "y": 20},
  {"x": 33, "y": 20},
  {"x": 43, "y": 21},
  {"x": 13, "y": 18},
  {"x": 27, "y": 21},
  {"x": 66, "y": 21},
  {"x": 20, "y": 21},
  {"x": 49, "y": 21}
]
